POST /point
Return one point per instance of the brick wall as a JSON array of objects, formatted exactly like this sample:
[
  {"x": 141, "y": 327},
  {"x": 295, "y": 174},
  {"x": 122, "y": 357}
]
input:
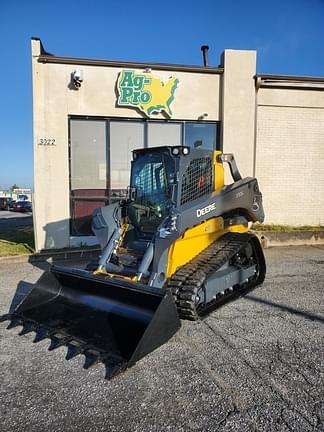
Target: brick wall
[{"x": 289, "y": 157}]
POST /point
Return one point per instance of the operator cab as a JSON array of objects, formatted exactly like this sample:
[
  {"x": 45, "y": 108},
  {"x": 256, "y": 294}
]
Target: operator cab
[{"x": 153, "y": 176}]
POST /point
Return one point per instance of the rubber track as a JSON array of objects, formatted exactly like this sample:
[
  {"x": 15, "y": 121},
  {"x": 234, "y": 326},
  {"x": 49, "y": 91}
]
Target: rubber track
[{"x": 186, "y": 282}]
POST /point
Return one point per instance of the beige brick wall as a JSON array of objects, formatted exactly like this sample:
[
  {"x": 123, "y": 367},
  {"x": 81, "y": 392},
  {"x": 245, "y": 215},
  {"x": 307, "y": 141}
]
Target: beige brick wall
[{"x": 290, "y": 160}]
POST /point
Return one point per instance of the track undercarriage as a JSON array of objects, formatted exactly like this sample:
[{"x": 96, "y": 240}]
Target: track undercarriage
[{"x": 230, "y": 266}]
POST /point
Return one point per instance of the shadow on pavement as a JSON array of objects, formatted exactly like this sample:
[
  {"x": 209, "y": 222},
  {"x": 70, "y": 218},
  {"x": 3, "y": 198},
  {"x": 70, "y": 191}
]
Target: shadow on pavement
[
  {"x": 286, "y": 308},
  {"x": 10, "y": 220}
]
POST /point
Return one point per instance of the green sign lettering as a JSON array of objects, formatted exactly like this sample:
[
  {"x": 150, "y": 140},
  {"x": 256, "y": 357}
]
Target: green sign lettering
[{"x": 146, "y": 92}]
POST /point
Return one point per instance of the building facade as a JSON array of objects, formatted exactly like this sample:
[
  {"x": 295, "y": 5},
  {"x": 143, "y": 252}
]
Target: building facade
[{"x": 88, "y": 115}]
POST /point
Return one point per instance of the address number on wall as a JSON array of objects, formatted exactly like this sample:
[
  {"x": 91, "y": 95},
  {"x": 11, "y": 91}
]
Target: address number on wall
[{"x": 47, "y": 142}]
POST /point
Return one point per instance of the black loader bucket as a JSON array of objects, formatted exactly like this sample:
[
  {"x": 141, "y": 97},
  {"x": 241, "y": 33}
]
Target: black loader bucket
[{"x": 108, "y": 320}]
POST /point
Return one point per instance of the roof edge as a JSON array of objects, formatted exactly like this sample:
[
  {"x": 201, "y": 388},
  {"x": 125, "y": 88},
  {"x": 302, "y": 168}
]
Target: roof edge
[
  {"x": 289, "y": 82},
  {"x": 296, "y": 78},
  {"x": 45, "y": 58}
]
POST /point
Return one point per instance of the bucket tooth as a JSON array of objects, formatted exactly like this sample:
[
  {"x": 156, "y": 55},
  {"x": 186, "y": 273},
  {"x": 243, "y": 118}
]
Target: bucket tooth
[
  {"x": 15, "y": 322},
  {"x": 73, "y": 351},
  {"x": 57, "y": 342},
  {"x": 5, "y": 317},
  {"x": 41, "y": 334},
  {"x": 91, "y": 358},
  {"x": 113, "y": 367},
  {"x": 28, "y": 327}
]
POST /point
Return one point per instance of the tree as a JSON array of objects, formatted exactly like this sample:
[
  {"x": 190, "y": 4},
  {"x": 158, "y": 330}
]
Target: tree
[{"x": 14, "y": 186}]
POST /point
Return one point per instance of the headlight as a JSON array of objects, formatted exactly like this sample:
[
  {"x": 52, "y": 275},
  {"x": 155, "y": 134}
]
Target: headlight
[
  {"x": 185, "y": 150},
  {"x": 175, "y": 151}
]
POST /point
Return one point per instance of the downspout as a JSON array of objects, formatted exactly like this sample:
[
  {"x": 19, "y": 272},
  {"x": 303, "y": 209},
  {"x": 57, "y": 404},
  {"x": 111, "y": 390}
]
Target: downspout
[{"x": 257, "y": 86}]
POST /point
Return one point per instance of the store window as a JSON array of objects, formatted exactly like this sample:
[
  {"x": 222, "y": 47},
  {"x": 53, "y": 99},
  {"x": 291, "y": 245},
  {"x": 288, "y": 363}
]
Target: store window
[
  {"x": 201, "y": 135},
  {"x": 123, "y": 138},
  {"x": 101, "y": 152},
  {"x": 163, "y": 134},
  {"x": 88, "y": 172}
]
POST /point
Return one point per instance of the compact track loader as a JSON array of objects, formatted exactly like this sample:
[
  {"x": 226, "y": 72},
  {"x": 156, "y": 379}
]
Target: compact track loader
[{"x": 176, "y": 248}]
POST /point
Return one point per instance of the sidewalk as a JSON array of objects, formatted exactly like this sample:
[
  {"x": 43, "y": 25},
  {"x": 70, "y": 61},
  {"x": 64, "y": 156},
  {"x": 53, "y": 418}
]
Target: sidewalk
[{"x": 290, "y": 238}]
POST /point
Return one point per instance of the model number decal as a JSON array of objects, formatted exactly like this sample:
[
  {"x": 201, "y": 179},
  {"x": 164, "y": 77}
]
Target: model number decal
[
  {"x": 205, "y": 210},
  {"x": 46, "y": 141}
]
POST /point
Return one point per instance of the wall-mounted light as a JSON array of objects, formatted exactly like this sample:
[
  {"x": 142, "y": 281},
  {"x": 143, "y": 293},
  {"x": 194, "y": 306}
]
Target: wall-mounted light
[
  {"x": 77, "y": 77},
  {"x": 202, "y": 116}
]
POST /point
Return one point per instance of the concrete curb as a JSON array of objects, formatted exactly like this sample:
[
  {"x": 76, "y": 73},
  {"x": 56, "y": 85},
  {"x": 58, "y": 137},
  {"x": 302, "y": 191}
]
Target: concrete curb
[
  {"x": 267, "y": 239},
  {"x": 14, "y": 259},
  {"x": 290, "y": 238}
]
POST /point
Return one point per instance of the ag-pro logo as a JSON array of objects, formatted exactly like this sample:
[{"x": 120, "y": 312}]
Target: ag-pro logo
[{"x": 146, "y": 92}]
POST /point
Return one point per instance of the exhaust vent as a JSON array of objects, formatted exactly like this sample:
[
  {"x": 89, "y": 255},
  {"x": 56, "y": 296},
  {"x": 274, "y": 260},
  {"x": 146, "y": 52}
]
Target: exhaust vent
[{"x": 204, "y": 49}]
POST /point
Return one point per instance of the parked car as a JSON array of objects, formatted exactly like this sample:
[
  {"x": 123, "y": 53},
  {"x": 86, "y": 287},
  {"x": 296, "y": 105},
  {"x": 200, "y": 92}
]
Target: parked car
[
  {"x": 6, "y": 203},
  {"x": 22, "y": 206}
]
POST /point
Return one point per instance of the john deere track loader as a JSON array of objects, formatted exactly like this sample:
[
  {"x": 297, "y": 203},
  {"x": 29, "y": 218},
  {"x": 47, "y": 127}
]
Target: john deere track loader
[{"x": 176, "y": 248}]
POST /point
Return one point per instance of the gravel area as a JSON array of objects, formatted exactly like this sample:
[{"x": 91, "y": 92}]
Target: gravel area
[{"x": 255, "y": 364}]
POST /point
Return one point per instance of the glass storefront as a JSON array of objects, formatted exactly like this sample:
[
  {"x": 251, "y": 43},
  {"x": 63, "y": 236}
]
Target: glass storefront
[
  {"x": 201, "y": 135},
  {"x": 100, "y": 155}
]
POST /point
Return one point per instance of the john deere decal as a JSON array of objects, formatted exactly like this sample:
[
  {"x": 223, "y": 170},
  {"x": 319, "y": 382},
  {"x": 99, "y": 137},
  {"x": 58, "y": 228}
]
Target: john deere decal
[{"x": 146, "y": 92}]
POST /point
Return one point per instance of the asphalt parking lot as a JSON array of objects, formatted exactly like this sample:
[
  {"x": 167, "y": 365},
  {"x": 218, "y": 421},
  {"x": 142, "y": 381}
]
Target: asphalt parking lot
[{"x": 256, "y": 364}]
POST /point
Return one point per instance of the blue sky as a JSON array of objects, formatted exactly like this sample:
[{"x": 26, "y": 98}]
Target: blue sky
[{"x": 287, "y": 34}]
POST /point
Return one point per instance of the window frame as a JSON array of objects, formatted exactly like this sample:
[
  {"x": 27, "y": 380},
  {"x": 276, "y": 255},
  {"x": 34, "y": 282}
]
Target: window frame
[{"x": 107, "y": 196}]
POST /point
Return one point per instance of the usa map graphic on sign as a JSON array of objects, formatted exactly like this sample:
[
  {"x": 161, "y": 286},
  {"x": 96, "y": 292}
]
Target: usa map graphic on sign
[{"x": 146, "y": 92}]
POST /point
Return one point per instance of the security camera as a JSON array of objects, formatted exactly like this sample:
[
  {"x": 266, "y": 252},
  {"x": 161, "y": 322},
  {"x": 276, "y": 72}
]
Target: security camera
[{"x": 77, "y": 78}]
